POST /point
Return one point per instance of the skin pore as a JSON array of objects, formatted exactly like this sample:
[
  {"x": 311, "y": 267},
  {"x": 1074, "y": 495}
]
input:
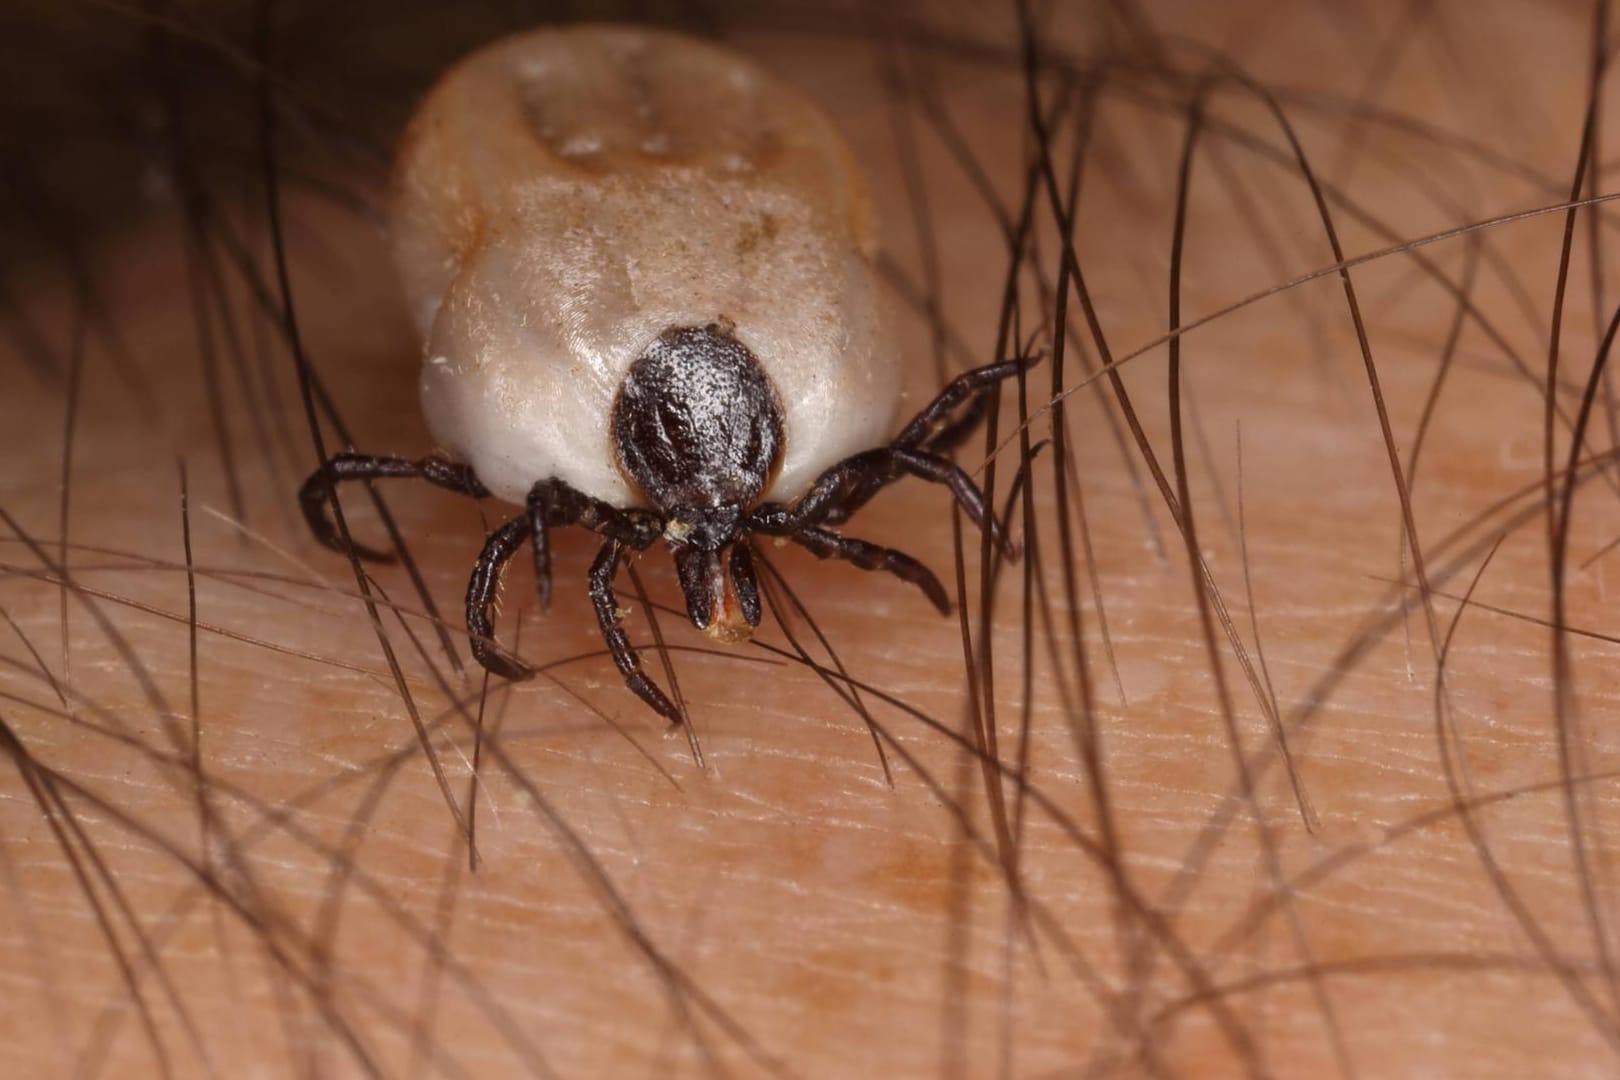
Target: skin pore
[{"x": 223, "y": 846}]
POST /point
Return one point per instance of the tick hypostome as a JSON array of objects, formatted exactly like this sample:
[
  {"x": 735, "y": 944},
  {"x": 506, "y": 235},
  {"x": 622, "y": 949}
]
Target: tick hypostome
[{"x": 643, "y": 271}]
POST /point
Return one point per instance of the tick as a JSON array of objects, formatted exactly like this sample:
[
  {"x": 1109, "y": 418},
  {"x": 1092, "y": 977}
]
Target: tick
[{"x": 643, "y": 270}]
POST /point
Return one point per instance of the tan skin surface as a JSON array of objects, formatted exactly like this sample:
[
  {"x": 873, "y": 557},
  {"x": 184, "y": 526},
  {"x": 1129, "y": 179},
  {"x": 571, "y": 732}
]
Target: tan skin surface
[{"x": 783, "y": 908}]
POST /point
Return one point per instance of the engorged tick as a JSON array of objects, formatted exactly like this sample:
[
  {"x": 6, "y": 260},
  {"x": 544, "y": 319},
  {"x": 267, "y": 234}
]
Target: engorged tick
[{"x": 643, "y": 271}]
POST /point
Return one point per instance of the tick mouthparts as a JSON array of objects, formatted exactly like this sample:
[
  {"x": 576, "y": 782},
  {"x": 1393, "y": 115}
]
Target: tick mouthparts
[
  {"x": 712, "y": 602},
  {"x": 730, "y": 629}
]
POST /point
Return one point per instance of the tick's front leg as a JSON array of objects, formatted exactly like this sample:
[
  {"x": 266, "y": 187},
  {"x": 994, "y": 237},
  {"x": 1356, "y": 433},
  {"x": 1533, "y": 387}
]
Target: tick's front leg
[
  {"x": 608, "y": 617},
  {"x": 856, "y": 479},
  {"x": 552, "y": 502},
  {"x": 933, "y": 431},
  {"x": 482, "y": 590},
  {"x": 930, "y": 430},
  {"x": 826, "y": 544},
  {"x": 321, "y": 488}
]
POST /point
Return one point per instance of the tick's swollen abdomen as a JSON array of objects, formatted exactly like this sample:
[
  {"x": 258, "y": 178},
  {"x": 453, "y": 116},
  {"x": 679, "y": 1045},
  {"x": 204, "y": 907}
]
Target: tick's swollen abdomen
[{"x": 565, "y": 196}]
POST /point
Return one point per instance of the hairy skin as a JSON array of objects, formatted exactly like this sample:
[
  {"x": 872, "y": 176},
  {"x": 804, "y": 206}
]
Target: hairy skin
[{"x": 783, "y": 907}]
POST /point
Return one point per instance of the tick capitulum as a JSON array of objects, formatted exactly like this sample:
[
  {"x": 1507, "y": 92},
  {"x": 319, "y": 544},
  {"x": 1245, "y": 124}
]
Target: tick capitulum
[{"x": 643, "y": 269}]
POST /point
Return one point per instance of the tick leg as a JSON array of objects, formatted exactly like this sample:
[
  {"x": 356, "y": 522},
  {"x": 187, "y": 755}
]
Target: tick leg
[
  {"x": 932, "y": 431},
  {"x": 826, "y": 544},
  {"x": 603, "y": 570},
  {"x": 929, "y": 431},
  {"x": 917, "y": 450},
  {"x": 322, "y": 484},
  {"x": 856, "y": 479},
  {"x": 482, "y": 590},
  {"x": 540, "y": 514},
  {"x": 828, "y": 496},
  {"x": 564, "y": 505},
  {"x": 968, "y": 496},
  {"x": 552, "y": 502}
]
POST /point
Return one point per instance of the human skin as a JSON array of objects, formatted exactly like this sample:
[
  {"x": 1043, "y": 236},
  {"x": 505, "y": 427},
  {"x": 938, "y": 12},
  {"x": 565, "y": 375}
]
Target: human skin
[{"x": 293, "y": 891}]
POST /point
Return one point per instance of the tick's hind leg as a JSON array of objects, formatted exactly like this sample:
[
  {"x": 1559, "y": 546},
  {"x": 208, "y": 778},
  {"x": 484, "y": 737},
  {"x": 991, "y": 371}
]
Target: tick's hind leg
[
  {"x": 608, "y": 617},
  {"x": 550, "y": 503},
  {"x": 826, "y": 544},
  {"x": 482, "y": 591},
  {"x": 321, "y": 487}
]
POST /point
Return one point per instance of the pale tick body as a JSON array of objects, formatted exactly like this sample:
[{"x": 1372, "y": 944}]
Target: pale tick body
[{"x": 643, "y": 271}]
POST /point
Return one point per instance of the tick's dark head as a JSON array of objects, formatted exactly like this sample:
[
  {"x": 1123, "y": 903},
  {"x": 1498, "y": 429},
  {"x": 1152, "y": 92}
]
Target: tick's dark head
[{"x": 698, "y": 429}]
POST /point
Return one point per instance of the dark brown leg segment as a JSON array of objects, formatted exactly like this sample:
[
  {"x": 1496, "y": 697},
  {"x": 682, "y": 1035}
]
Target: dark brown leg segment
[
  {"x": 828, "y": 498},
  {"x": 552, "y": 503},
  {"x": 320, "y": 488},
  {"x": 603, "y": 571},
  {"x": 933, "y": 431},
  {"x": 826, "y": 544},
  {"x": 482, "y": 590},
  {"x": 929, "y": 430}
]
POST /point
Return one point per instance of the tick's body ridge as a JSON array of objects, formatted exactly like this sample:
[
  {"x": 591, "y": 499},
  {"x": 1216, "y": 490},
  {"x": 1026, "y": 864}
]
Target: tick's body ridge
[{"x": 643, "y": 272}]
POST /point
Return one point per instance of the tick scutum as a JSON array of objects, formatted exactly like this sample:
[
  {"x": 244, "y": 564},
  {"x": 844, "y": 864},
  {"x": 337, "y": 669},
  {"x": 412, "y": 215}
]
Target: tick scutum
[{"x": 698, "y": 428}]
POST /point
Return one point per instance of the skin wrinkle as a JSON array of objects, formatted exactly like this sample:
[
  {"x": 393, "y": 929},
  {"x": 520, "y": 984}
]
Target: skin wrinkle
[{"x": 825, "y": 936}]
